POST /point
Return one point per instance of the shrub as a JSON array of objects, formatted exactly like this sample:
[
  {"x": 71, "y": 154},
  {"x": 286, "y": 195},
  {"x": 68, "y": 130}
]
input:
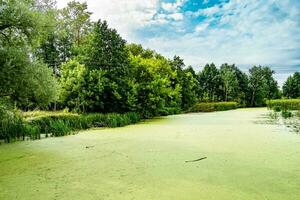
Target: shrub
[
  {"x": 286, "y": 114},
  {"x": 284, "y": 104},
  {"x": 213, "y": 106}
]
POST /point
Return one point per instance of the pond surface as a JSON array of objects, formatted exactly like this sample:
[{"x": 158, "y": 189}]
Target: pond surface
[{"x": 245, "y": 159}]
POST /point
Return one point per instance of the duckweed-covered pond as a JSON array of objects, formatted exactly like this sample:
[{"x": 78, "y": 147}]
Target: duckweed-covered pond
[{"x": 245, "y": 159}]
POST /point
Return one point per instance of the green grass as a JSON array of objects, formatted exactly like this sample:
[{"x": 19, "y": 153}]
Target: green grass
[
  {"x": 39, "y": 113},
  {"x": 213, "y": 106},
  {"x": 35, "y": 123},
  {"x": 284, "y": 104}
]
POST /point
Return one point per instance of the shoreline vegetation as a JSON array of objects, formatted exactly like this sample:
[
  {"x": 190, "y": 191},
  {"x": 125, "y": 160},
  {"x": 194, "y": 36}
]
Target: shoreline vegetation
[
  {"x": 37, "y": 124},
  {"x": 59, "y": 59},
  {"x": 55, "y": 124},
  {"x": 285, "y": 112},
  {"x": 213, "y": 106}
]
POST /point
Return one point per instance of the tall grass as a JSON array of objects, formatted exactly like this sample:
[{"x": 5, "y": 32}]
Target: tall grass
[
  {"x": 213, "y": 106},
  {"x": 60, "y": 124},
  {"x": 284, "y": 104}
]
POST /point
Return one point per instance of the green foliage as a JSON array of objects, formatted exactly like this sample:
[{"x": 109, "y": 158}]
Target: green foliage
[
  {"x": 284, "y": 104},
  {"x": 211, "y": 83},
  {"x": 106, "y": 52},
  {"x": 11, "y": 122},
  {"x": 20, "y": 22},
  {"x": 76, "y": 16},
  {"x": 286, "y": 114},
  {"x": 213, "y": 106},
  {"x": 67, "y": 124},
  {"x": 23, "y": 79},
  {"x": 186, "y": 79},
  {"x": 138, "y": 50},
  {"x": 155, "y": 94},
  {"x": 291, "y": 87},
  {"x": 230, "y": 82},
  {"x": 29, "y": 84},
  {"x": 262, "y": 86},
  {"x": 12, "y": 125},
  {"x": 72, "y": 83},
  {"x": 234, "y": 84},
  {"x": 67, "y": 32}
]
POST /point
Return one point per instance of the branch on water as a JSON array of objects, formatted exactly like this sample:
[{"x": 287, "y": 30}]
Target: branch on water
[{"x": 196, "y": 160}]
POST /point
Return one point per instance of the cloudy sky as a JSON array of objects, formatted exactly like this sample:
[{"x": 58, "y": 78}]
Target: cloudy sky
[{"x": 244, "y": 32}]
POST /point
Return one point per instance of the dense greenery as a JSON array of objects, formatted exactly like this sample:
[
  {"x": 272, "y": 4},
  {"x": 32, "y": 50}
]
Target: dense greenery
[
  {"x": 59, "y": 59},
  {"x": 284, "y": 104},
  {"x": 213, "y": 106},
  {"x": 13, "y": 126},
  {"x": 291, "y": 87}
]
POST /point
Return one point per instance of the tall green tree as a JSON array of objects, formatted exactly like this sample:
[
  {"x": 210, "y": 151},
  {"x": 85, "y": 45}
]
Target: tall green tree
[
  {"x": 291, "y": 87},
  {"x": 70, "y": 26},
  {"x": 230, "y": 82},
  {"x": 235, "y": 84},
  {"x": 155, "y": 94},
  {"x": 186, "y": 79},
  {"x": 211, "y": 83},
  {"x": 262, "y": 85},
  {"x": 77, "y": 18},
  {"x": 24, "y": 79},
  {"x": 106, "y": 50},
  {"x": 19, "y": 22}
]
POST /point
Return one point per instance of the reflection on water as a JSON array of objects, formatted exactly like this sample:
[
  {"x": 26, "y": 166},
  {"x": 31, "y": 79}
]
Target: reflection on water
[{"x": 292, "y": 124}]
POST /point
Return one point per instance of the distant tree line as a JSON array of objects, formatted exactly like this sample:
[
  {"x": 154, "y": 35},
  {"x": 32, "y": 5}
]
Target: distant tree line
[{"x": 57, "y": 58}]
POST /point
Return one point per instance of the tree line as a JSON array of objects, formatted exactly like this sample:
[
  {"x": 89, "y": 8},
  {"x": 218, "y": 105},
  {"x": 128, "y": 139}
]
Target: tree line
[{"x": 56, "y": 58}]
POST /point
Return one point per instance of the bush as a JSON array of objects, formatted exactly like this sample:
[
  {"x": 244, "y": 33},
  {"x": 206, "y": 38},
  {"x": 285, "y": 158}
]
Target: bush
[
  {"x": 284, "y": 104},
  {"x": 213, "y": 106},
  {"x": 286, "y": 114}
]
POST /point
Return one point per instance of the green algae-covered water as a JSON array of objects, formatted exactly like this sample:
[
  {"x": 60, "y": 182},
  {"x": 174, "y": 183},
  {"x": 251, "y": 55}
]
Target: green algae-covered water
[{"x": 245, "y": 159}]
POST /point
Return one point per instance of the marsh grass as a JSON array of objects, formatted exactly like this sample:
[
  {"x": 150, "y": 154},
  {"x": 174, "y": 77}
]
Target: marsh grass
[
  {"x": 33, "y": 124},
  {"x": 213, "y": 106}
]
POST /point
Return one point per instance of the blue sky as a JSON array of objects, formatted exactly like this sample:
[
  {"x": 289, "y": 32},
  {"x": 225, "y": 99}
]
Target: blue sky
[{"x": 244, "y": 32}]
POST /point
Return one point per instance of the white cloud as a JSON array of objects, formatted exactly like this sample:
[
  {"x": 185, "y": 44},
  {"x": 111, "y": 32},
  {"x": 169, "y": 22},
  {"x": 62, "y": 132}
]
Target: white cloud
[
  {"x": 244, "y": 32},
  {"x": 172, "y": 7},
  {"x": 176, "y": 16},
  {"x": 125, "y": 16},
  {"x": 201, "y": 27},
  {"x": 207, "y": 11}
]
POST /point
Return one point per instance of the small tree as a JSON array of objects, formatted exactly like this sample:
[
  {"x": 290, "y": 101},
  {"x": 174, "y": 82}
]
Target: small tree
[{"x": 291, "y": 87}]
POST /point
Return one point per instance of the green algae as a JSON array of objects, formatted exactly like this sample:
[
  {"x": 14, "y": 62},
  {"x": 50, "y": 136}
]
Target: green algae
[{"x": 244, "y": 160}]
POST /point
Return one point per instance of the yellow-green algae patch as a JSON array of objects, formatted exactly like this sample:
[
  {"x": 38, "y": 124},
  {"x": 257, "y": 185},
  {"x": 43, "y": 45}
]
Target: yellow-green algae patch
[{"x": 245, "y": 160}]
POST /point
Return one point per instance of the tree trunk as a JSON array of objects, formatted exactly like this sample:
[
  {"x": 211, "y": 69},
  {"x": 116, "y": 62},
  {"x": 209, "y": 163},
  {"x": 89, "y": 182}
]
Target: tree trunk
[{"x": 252, "y": 98}]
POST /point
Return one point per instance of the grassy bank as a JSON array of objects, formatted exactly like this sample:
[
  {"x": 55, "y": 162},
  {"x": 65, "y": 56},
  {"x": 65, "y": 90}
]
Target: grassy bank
[
  {"x": 32, "y": 125},
  {"x": 16, "y": 125},
  {"x": 213, "y": 106},
  {"x": 284, "y": 104}
]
